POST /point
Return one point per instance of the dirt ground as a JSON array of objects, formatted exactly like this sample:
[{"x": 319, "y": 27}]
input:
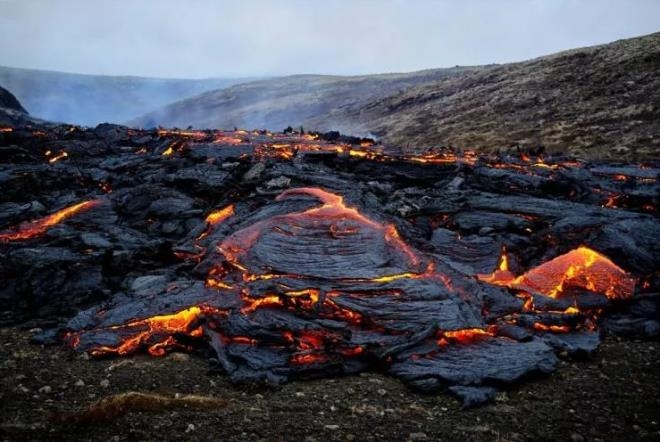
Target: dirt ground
[{"x": 615, "y": 395}]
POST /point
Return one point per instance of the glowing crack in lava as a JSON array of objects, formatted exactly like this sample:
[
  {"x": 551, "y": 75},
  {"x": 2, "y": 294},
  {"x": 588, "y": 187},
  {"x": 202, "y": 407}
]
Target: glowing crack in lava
[
  {"x": 40, "y": 226},
  {"x": 308, "y": 285},
  {"x": 580, "y": 268}
]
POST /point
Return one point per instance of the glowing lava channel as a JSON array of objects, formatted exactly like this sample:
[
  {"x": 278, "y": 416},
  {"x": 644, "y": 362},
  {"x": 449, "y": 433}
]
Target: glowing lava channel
[
  {"x": 164, "y": 326},
  {"x": 39, "y": 227}
]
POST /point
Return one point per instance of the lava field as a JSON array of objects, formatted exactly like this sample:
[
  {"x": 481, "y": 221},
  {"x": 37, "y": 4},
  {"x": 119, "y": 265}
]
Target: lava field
[{"x": 284, "y": 256}]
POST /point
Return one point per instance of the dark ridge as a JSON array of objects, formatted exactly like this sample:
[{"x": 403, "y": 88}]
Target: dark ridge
[{"x": 8, "y": 101}]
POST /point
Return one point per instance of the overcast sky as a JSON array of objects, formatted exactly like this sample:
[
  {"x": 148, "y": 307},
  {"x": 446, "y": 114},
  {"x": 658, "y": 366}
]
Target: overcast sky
[{"x": 207, "y": 38}]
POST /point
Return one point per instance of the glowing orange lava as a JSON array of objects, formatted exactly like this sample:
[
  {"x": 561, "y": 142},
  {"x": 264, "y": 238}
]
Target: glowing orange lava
[
  {"x": 580, "y": 268},
  {"x": 551, "y": 328},
  {"x": 184, "y": 322},
  {"x": 221, "y": 215},
  {"x": 183, "y": 133},
  {"x": 228, "y": 139},
  {"x": 463, "y": 336},
  {"x": 38, "y": 227},
  {"x": 501, "y": 276},
  {"x": 56, "y": 158}
]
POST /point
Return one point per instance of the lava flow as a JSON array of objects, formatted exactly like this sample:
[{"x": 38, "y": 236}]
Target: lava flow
[
  {"x": 329, "y": 262},
  {"x": 155, "y": 333},
  {"x": 39, "y": 227},
  {"x": 219, "y": 216},
  {"x": 329, "y": 250},
  {"x": 371, "y": 257}
]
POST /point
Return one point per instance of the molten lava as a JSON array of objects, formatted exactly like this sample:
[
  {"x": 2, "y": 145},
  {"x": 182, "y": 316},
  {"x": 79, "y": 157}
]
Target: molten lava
[
  {"x": 288, "y": 263},
  {"x": 53, "y": 158},
  {"x": 581, "y": 268},
  {"x": 464, "y": 336},
  {"x": 221, "y": 215},
  {"x": 156, "y": 333},
  {"x": 39, "y": 227},
  {"x": 307, "y": 283},
  {"x": 183, "y": 133}
]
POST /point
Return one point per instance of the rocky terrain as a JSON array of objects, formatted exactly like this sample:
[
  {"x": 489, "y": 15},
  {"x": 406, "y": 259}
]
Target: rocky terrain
[
  {"x": 8, "y": 101},
  {"x": 93, "y": 99},
  {"x": 601, "y": 102}
]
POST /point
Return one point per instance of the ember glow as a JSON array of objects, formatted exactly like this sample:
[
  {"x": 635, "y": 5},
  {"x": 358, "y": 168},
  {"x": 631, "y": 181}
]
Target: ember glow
[
  {"x": 228, "y": 139},
  {"x": 55, "y": 157},
  {"x": 182, "y": 133},
  {"x": 39, "y": 227},
  {"x": 464, "y": 336}
]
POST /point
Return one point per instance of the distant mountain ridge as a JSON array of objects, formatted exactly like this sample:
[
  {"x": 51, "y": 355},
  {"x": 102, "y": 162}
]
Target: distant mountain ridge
[
  {"x": 91, "y": 99},
  {"x": 601, "y": 101}
]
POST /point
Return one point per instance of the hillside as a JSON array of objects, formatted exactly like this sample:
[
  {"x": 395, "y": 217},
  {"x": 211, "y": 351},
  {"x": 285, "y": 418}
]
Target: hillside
[
  {"x": 602, "y": 101},
  {"x": 299, "y": 99},
  {"x": 595, "y": 101},
  {"x": 92, "y": 99}
]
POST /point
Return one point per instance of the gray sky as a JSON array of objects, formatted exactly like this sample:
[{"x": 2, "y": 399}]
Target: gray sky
[{"x": 206, "y": 38}]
